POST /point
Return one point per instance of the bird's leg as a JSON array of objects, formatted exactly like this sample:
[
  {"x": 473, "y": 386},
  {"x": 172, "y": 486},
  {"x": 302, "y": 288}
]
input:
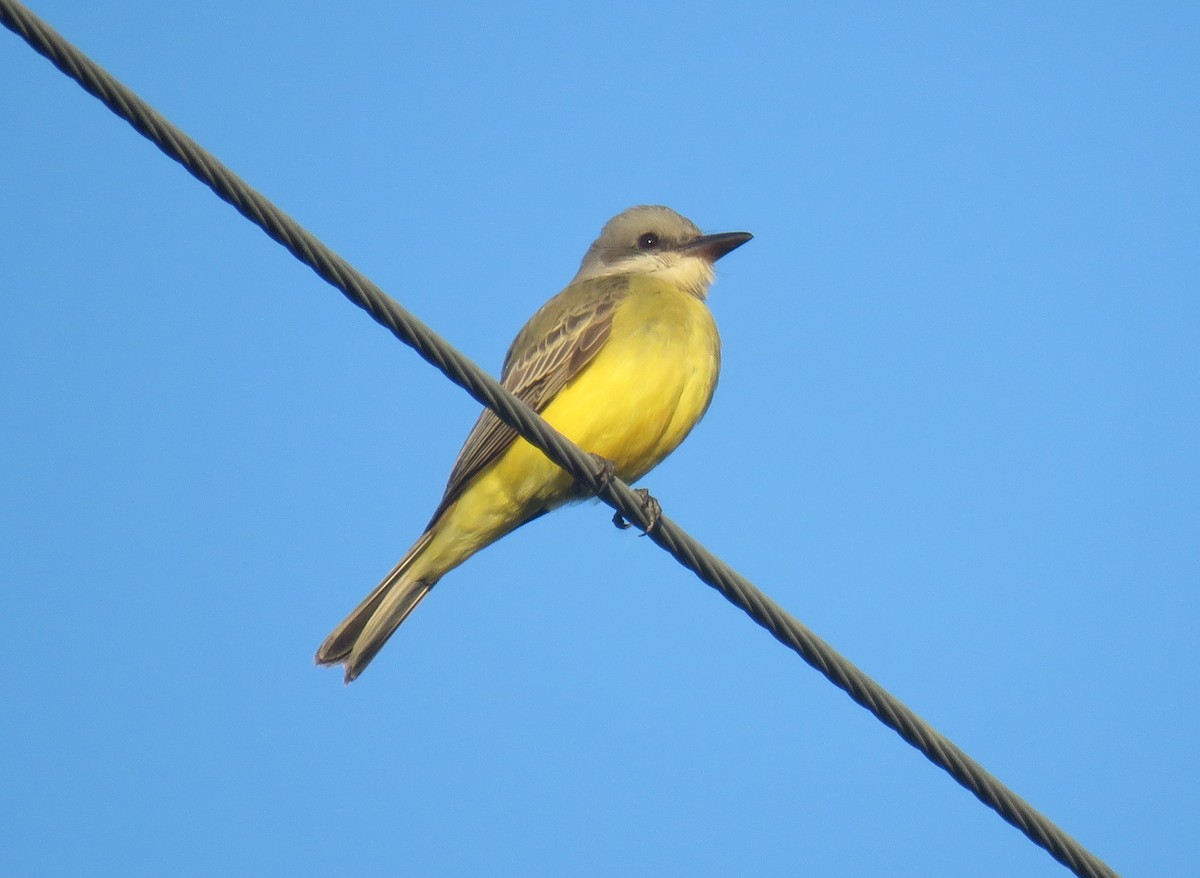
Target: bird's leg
[
  {"x": 650, "y": 506},
  {"x": 608, "y": 471}
]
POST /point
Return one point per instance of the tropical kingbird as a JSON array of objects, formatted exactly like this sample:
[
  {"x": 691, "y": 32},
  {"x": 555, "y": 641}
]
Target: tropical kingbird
[{"x": 623, "y": 362}]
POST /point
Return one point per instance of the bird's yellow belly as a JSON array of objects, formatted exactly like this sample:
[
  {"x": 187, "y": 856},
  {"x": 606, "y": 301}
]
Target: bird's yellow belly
[
  {"x": 648, "y": 386},
  {"x": 633, "y": 404}
]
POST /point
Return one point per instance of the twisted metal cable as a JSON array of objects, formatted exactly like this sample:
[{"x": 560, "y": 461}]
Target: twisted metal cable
[{"x": 487, "y": 391}]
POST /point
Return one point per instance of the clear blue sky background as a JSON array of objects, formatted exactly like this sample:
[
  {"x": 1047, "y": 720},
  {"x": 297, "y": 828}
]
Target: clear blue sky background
[{"x": 957, "y": 434}]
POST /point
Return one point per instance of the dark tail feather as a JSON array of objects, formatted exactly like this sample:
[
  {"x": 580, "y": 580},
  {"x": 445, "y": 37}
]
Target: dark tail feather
[{"x": 363, "y": 633}]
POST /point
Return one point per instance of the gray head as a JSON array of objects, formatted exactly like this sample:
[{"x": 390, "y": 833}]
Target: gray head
[{"x": 655, "y": 239}]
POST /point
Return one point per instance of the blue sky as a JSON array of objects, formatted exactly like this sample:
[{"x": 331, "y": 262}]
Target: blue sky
[{"x": 956, "y": 433}]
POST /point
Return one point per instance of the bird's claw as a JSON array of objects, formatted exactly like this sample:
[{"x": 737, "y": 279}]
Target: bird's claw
[
  {"x": 608, "y": 472},
  {"x": 651, "y": 507}
]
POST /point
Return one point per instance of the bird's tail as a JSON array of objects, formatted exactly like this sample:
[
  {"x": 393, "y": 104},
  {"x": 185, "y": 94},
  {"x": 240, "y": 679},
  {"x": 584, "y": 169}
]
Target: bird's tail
[{"x": 363, "y": 633}]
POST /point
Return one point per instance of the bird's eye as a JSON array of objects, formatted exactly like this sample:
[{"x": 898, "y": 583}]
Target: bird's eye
[{"x": 647, "y": 241}]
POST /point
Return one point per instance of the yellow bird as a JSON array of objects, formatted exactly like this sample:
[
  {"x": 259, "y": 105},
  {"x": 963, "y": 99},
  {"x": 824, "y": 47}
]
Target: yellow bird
[{"x": 623, "y": 362}]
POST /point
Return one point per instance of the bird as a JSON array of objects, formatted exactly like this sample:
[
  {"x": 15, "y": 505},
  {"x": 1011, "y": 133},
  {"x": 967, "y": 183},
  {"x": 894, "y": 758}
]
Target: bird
[{"x": 623, "y": 362}]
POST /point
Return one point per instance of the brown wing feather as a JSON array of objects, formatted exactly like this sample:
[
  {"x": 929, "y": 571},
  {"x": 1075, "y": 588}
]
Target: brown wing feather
[{"x": 535, "y": 370}]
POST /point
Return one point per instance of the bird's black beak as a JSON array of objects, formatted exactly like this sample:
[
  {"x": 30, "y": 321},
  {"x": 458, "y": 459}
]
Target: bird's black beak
[{"x": 713, "y": 247}]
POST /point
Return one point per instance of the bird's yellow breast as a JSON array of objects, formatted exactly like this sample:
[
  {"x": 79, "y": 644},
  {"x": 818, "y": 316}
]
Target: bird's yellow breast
[
  {"x": 650, "y": 383},
  {"x": 632, "y": 404}
]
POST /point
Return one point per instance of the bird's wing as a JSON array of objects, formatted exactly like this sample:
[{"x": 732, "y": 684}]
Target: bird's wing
[{"x": 552, "y": 349}]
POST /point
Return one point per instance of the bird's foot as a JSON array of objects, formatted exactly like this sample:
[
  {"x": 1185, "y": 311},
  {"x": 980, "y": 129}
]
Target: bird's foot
[
  {"x": 608, "y": 471},
  {"x": 651, "y": 507}
]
